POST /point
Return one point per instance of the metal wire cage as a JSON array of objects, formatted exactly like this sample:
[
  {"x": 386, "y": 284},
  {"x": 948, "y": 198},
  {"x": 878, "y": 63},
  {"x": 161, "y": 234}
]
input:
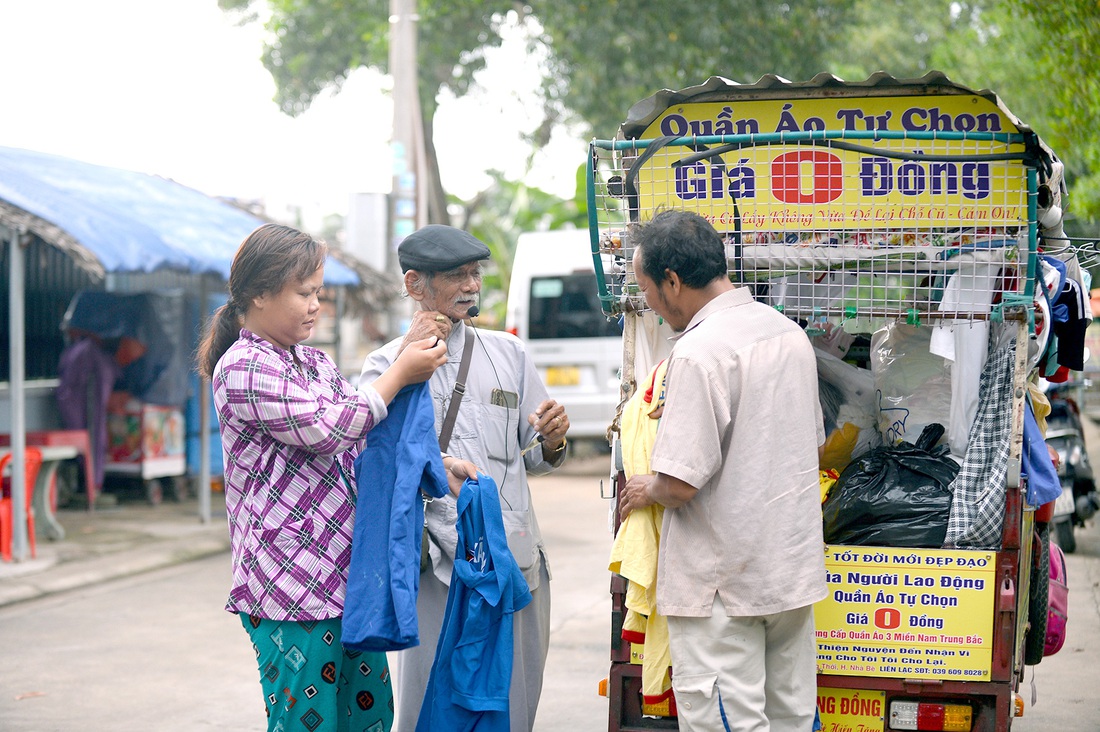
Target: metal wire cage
[{"x": 832, "y": 225}]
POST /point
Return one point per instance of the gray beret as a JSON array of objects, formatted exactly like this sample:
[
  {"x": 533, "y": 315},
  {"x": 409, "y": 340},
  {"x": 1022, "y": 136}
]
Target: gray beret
[{"x": 437, "y": 248}]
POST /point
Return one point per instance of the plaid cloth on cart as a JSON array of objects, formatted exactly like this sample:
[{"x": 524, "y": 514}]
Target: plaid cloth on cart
[{"x": 978, "y": 491}]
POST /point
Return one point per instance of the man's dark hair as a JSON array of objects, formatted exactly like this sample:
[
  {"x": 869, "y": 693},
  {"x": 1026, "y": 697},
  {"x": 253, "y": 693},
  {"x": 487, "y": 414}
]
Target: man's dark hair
[{"x": 681, "y": 242}]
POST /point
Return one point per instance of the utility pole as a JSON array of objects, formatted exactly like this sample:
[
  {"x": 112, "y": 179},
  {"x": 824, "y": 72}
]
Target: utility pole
[
  {"x": 408, "y": 199},
  {"x": 408, "y": 208}
]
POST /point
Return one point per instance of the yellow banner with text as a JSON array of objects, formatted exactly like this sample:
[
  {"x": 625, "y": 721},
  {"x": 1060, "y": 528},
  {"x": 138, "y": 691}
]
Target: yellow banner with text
[
  {"x": 922, "y": 613},
  {"x": 855, "y": 183}
]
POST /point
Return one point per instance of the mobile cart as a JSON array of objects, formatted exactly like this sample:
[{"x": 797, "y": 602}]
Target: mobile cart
[{"x": 881, "y": 207}]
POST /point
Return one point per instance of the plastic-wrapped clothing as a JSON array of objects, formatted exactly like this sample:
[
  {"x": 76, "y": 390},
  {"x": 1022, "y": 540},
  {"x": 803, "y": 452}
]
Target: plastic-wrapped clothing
[
  {"x": 913, "y": 383},
  {"x": 401, "y": 460},
  {"x": 853, "y": 430},
  {"x": 965, "y": 345},
  {"x": 468, "y": 686}
]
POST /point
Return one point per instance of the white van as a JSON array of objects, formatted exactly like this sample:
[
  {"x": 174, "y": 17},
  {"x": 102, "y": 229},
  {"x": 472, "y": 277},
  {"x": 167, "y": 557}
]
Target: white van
[{"x": 554, "y": 307}]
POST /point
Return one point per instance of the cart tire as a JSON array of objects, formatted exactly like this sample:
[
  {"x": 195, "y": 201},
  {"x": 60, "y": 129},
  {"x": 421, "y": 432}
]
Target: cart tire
[
  {"x": 1063, "y": 536},
  {"x": 1038, "y": 599}
]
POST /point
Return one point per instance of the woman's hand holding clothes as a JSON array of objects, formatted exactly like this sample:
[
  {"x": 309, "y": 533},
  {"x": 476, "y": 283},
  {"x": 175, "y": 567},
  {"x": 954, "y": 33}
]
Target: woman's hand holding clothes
[{"x": 416, "y": 363}]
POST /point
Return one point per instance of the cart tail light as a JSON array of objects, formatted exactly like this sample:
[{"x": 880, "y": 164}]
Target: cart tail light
[{"x": 931, "y": 716}]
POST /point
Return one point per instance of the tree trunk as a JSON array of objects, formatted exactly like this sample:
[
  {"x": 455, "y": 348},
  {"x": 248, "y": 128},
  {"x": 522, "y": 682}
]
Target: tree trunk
[{"x": 437, "y": 197}]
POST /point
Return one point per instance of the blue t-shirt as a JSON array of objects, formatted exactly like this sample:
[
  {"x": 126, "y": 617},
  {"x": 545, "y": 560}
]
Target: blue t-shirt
[
  {"x": 472, "y": 671},
  {"x": 1043, "y": 484}
]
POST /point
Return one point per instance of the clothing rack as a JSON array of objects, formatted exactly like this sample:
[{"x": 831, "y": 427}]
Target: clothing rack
[{"x": 1087, "y": 249}]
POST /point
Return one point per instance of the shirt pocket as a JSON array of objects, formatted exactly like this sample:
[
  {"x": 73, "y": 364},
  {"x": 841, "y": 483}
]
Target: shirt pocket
[
  {"x": 495, "y": 426},
  {"x": 698, "y": 695},
  {"x": 285, "y": 537},
  {"x": 521, "y": 542}
]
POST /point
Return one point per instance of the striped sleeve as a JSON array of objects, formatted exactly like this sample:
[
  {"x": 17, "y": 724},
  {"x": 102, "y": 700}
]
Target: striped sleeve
[{"x": 264, "y": 392}]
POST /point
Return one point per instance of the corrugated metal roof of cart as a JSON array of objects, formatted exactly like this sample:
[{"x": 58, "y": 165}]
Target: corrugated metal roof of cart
[{"x": 113, "y": 220}]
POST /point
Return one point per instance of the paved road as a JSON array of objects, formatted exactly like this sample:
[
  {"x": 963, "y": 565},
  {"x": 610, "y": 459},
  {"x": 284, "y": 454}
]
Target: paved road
[
  {"x": 1067, "y": 684},
  {"x": 156, "y": 653}
]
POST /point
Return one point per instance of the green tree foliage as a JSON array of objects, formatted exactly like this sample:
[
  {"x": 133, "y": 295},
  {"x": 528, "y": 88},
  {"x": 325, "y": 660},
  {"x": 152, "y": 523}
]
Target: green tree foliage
[
  {"x": 1068, "y": 41},
  {"x": 314, "y": 45},
  {"x": 503, "y": 211},
  {"x": 608, "y": 54},
  {"x": 1039, "y": 56},
  {"x": 605, "y": 55}
]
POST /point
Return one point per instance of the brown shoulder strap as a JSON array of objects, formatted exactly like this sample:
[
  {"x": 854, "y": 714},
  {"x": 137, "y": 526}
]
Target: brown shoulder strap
[{"x": 459, "y": 390}]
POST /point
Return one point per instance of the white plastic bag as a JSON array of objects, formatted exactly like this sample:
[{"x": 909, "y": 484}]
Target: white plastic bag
[
  {"x": 854, "y": 429},
  {"x": 912, "y": 385}
]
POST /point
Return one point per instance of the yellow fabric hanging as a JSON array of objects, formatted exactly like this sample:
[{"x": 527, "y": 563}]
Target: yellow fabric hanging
[{"x": 634, "y": 552}]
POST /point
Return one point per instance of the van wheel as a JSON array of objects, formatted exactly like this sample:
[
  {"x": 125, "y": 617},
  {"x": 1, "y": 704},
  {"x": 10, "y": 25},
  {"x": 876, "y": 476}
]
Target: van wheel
[
  {"x": 1063, "y": 535},
  {"x": 1038, "y": 598}
]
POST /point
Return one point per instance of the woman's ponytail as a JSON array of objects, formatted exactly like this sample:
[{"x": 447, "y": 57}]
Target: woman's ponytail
[{"x": 223, "y": 329}]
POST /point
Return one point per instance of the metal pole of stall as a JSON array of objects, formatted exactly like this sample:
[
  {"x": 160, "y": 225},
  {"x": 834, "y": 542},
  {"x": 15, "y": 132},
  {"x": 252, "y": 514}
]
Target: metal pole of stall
[
  {"x": 17, "y": 365},
  {"x": 338, "y": 335},
  {"x": 204, "y": 420},
  {"x": 204, "y": 458}
]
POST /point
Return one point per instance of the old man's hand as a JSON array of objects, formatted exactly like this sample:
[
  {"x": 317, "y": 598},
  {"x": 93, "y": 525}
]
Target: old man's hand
[
  {"x": 635, "y": 495},
  {"x": 427, "y": 324}
]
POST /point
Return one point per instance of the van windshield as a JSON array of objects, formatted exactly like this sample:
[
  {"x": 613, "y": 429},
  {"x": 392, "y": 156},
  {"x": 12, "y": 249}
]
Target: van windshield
[{"x": 567, "y": 306}]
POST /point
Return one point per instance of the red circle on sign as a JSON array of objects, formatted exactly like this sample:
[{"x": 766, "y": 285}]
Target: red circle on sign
[
  {"x": 827, "y": 175},
  {"x": 887, "y": 618}
]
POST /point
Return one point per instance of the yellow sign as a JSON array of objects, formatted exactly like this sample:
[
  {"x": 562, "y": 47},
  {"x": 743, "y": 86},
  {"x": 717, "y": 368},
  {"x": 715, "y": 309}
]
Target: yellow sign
[
  {"x": 851, "y": 710},
  {"x": 856, "y": 183},
  {"x": 907, "y": 613}
]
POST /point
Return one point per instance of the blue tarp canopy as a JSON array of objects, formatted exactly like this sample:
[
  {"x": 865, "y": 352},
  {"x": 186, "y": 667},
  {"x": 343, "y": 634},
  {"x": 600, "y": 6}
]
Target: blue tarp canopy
[
  {"x": 133, "y": 222},
  {"x": 111, "y": 221}
]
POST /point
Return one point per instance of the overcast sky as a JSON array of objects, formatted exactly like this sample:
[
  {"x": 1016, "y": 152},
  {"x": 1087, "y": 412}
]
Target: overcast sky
[{"x": 174, "y": 88}]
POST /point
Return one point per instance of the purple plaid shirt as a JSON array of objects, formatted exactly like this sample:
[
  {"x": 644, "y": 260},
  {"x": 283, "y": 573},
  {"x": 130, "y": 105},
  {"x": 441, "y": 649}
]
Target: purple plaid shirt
[{"x": 289, "y": 439}]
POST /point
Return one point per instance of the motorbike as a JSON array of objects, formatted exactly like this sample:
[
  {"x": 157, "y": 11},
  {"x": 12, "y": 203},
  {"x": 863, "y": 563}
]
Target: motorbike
[{"x": 1065, "y": 435}]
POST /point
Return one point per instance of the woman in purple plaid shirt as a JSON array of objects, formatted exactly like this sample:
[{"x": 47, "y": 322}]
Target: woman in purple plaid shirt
[{"x": 291, "y": 426}]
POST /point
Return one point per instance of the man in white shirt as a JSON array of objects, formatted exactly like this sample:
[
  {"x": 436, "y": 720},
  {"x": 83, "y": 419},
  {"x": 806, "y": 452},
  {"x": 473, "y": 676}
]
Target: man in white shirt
[{"x": 735, "y": 463}]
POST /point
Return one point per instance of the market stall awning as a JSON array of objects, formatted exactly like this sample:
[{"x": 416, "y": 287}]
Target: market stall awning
[
  {"x": 111, "y": 221},
  {"x": 115, "y": 220}
]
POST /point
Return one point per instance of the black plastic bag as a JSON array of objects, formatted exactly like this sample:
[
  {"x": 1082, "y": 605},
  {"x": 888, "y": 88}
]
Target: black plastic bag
[{"x": 893, "y": 496}]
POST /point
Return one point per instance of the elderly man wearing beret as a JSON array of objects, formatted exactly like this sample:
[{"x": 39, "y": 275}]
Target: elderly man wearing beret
[{"x": 505, "y": 426}]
